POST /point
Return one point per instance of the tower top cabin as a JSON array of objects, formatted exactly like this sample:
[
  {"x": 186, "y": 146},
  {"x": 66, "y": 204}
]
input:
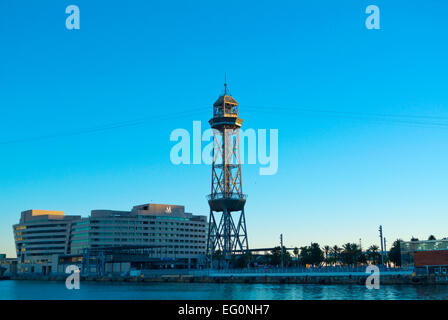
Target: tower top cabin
[{"x": 225, "y": 113}]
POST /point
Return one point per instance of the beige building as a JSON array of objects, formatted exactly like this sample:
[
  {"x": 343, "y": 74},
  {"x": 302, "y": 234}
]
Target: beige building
[
  {"x": 39, "y": 236},
  {"x": 46, "y": 238},
  {"x": 178, "y": 233}
]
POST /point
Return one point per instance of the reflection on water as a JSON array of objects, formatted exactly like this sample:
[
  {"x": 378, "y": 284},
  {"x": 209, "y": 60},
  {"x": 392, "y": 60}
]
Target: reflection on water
[{"x": 10, "y": 289}]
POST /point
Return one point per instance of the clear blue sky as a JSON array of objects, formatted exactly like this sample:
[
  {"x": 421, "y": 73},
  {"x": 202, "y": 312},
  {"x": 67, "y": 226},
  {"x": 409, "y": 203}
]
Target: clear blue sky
[{"x": 371, "y": 149}]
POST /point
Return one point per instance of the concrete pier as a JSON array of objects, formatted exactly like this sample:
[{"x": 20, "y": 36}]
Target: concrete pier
[{"x": 208, "y": 276}]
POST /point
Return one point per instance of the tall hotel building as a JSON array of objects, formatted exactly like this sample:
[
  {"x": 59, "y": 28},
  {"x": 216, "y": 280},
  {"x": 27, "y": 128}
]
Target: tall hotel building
[
  {"x": 39, "y": 236},
  {"x": 43, "y": 236},
  {"x": 183, "y": 235}
]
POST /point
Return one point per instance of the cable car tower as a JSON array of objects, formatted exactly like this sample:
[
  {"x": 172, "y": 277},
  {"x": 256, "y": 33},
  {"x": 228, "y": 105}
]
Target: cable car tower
[{"x": 226, "y": 200}]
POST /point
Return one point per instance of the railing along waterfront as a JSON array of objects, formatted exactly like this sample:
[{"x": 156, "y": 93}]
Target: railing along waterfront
[
  {"x": 271, "y": 270},
  {"x": 329, "y": 269}
]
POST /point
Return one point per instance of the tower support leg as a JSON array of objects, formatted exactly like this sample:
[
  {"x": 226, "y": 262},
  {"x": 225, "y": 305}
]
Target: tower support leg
[{"x": 226, "y": 238}]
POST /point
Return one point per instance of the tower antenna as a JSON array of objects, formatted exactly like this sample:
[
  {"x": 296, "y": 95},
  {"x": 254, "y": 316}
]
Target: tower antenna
[{"x": 225, "y": 83}]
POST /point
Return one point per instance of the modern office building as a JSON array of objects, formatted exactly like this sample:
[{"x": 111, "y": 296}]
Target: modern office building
[
  {"x": 164, "y": 232},
  {"x": 39, "y": 236},
  {"x": 178, "y": 234},
  {"x": 427, "y": 256}
]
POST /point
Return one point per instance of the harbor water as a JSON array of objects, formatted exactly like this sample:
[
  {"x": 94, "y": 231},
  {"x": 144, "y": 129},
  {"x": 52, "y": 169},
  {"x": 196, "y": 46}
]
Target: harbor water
[{"x": 43, "y": 290}]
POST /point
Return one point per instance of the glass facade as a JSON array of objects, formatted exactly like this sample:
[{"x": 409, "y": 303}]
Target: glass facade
[{"x": 408, "y": 249}]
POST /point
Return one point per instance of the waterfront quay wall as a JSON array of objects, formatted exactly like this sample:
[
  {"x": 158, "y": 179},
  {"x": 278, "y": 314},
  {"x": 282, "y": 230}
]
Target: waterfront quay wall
[{"x": 210, "y": 276}]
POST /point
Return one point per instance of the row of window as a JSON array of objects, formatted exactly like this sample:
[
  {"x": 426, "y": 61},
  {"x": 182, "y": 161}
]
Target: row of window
[
  {"x": 138, "y": 234},
  {"x": 43, "y": 242},
  {"x": 140, "y": 228},
  {"x": 54, "y": 225},
  {"x": 47, "y": 230},
  {"x": 139, "y": 240},
  {"x": 46, "y": 248},
  {"x": 62, "y": 236},
  {"x": 49, "y": 253},
  {"x": 133, "y": 222}
]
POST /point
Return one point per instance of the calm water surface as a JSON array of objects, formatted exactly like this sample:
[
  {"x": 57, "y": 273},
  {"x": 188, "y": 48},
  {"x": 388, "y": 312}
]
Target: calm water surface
[{"x": 11, "y": 289}]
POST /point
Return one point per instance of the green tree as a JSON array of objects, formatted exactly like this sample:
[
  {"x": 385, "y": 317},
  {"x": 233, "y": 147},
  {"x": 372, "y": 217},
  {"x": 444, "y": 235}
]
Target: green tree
[
  {"x": 414, "y": 239},
  {"x": 311, "y": 255},
  {"x": 317, "y": 255},
  {"x": 217, "y": 256},
  {"x": 373, "y": 255},
  {"x": 352, "y": 254},
  {"x": 241, "y": 260},
  {"x": 431, "y": 237},
  {"x": 335, "y": 254},
  {"x": 262, "y": 259},
  {"x": 276, "y": 257},
  {"x": 296, "y": 253},
  {"x": 395, "y": 253},
  {"x": 304, "y": 256},
  {"x": 326, "y": 251}
]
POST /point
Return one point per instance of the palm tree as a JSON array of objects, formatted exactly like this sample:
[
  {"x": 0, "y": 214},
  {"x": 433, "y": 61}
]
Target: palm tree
[
  {"x": 311, "y": 255},
  {"x": 326, "y": 251},
  {"x": 296, "y": 253},
  {"x": 395, "y": 253},
  {"x": 317, "y": 254},
  {"x": 373, "y": 255},
  {"x": 352, "y": 254},
  {"x": 335, "y": 252},
  {"x": 218, "y": 256}
]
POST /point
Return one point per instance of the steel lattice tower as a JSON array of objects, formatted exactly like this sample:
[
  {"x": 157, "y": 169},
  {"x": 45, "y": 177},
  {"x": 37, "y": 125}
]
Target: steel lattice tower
[{"x": 226, "y": 200}]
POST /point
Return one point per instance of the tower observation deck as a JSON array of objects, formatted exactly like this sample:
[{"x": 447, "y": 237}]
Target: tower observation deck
[{"x": 227, "y": 224}]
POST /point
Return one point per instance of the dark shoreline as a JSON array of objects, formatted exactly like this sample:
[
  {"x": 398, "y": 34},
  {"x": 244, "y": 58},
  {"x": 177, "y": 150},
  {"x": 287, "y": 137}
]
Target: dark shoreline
[{"x": 324, "y": 280}]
